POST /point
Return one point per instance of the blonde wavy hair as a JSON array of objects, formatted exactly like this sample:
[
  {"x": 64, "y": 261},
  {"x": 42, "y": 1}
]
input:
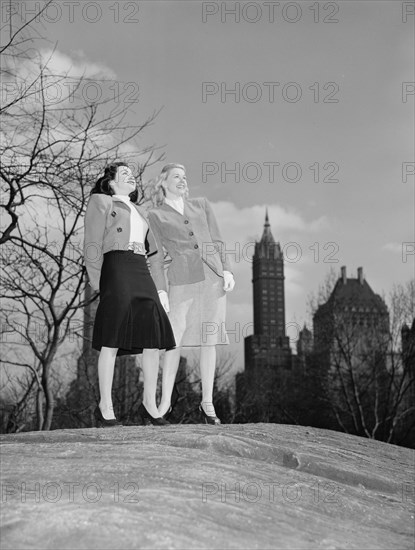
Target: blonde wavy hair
[{"x": 155, "y": 189}]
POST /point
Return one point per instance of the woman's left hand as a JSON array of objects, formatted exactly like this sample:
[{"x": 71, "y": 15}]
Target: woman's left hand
[
  {"x": 164, "y": 300},
  {"x": 229, "y": 281}
]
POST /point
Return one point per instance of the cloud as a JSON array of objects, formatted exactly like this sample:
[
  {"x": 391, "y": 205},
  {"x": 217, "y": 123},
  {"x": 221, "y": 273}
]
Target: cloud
[
  {"x": 250, "y": 220},
  {"x": 241, "y": 227},
  {"x": 76, "y": 65},
  {"x": 58, "y": 64},
  {"x": 65, "y": 79}
]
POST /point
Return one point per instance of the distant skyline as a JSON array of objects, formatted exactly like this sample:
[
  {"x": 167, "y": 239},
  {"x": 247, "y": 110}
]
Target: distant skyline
[{"x": 303, "y": 108}]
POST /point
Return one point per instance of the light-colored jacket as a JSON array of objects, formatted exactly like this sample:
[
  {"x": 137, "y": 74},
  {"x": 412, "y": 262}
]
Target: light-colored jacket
[
  {"x": 107, "y": 227},
  {"x": 189, "y": 239}
]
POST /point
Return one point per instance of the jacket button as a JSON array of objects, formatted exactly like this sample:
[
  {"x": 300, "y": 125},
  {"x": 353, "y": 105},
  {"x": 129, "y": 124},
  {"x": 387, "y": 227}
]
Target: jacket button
[
  {"x": 196, "y": 246},
  {"x": 186, "y": 221},
  {"x": 119, "y": 229},
  {"x": 191, "y": 233},
  {"x": 113, "y": 214}
]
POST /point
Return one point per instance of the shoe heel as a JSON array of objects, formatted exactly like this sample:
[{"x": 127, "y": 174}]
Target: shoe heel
[
  {"x": 168, "y": 413},
  {"x": 214, "y": 420},
  {"x": 149, "y": 420},
  {"x": 101, "y": 422}
]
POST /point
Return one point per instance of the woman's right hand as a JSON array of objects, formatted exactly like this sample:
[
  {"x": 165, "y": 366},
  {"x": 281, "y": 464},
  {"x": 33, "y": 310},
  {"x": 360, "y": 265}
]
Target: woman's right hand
[{"x": 164, "y": 299}]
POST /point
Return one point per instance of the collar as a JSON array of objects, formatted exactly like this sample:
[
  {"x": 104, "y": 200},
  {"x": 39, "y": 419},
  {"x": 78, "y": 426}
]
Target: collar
[
  {"x": 177, "y": 204},
  {"x": 123, "y": 198},
  {"x": 126, "y": 200}
]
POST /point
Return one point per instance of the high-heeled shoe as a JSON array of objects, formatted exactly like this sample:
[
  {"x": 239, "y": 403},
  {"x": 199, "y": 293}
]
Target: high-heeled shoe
[
  {"x": 103, "y": 422},
  {"x": 209, "y": 419},
  {"x": 167, "y": 414},
  {"x": 148, "y": 419}
]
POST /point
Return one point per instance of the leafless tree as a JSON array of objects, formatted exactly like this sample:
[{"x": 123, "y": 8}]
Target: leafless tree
[
  {"x": 270, "y": 395},
  {"x": 366, "y": 365},
  {"x": 51, "y": 151}
]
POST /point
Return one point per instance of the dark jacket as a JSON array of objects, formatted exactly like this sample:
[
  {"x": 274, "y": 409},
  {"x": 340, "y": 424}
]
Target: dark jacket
[
  {"x": 189, "y": 239},
  {"x": 107, "y": 227}
]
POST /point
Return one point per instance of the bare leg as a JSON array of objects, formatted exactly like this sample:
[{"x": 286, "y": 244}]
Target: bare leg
[
  {"x": 106, "y": 362},
  {"x": 150, "y": 372},
  {"x": 207, "y": 374},
  {"x": 170, "y": 366}
]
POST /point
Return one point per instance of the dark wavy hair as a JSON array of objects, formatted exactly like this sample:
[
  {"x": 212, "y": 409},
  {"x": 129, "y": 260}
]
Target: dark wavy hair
[{"x": 103, "y": 183}]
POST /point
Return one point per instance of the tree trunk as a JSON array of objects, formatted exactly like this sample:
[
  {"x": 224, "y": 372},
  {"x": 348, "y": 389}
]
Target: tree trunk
[
  {"x": 49, "y": 401},
  {"x": 39, "y": 407}
]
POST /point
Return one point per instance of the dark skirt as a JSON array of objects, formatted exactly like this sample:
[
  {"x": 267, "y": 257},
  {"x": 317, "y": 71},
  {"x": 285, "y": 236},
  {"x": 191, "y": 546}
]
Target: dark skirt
[{"x": 129, "y": 316}]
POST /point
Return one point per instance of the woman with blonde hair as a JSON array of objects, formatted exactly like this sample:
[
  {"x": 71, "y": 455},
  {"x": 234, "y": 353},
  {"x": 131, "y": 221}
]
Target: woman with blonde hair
[{"x": 199, "y": 276}]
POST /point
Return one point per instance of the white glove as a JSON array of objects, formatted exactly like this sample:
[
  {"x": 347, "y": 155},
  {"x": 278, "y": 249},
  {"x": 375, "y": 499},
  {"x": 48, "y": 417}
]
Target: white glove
[
  {"x": 164, "y": 299},
  {"x": 229, "y": 281}
]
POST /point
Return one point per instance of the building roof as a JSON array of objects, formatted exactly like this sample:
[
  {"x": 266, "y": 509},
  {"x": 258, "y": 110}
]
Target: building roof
[
  {"x": 353, "y": 295},
  {"x": 267, "y": 247},
  {"x": 267, "y": 236}
]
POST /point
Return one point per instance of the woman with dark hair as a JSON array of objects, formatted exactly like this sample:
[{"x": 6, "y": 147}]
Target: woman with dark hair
[
  {"x": 199, "y": 277},
  {"x": 130, "y": 318}
]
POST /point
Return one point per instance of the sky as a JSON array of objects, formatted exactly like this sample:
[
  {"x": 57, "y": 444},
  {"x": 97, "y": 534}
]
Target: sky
[{"x": 304, "y": 108}]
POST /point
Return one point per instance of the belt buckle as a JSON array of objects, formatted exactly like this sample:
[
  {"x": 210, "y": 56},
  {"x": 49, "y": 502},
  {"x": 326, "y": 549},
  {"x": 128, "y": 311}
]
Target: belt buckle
[{"x": 136, "y": 248}]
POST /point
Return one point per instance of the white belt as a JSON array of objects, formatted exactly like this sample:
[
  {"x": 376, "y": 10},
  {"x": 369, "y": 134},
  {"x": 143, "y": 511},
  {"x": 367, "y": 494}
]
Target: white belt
[{"x": 137, "y": 248}]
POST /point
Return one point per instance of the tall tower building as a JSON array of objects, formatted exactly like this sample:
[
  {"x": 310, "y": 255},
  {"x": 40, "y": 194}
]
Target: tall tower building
[
  {"x": 263, "y": 389},
  {"x": 268, "y": 283},
  {"x": 269, "y": 346}
]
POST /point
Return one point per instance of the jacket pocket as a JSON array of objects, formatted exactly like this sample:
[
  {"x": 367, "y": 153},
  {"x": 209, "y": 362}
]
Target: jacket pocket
[
  {"x": 214, "y": 262},
  {"x": 177, "y": 272}
]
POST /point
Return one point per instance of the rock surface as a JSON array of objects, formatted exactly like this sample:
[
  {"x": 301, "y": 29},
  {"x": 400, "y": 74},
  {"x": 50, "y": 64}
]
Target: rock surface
[{"x": 196, "y": 486}]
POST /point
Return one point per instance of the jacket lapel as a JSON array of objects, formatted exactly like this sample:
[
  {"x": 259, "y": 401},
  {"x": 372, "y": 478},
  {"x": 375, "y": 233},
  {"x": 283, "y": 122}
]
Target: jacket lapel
[
  {"x": 169, "y": 208},
  {"x": 142, "y": 211}
]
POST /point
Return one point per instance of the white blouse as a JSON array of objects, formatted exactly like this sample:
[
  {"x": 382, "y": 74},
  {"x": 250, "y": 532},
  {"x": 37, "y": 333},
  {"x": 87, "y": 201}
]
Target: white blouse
[
  {"x": 138, "y": 226},
  {"x": 177, "y": 204}
]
